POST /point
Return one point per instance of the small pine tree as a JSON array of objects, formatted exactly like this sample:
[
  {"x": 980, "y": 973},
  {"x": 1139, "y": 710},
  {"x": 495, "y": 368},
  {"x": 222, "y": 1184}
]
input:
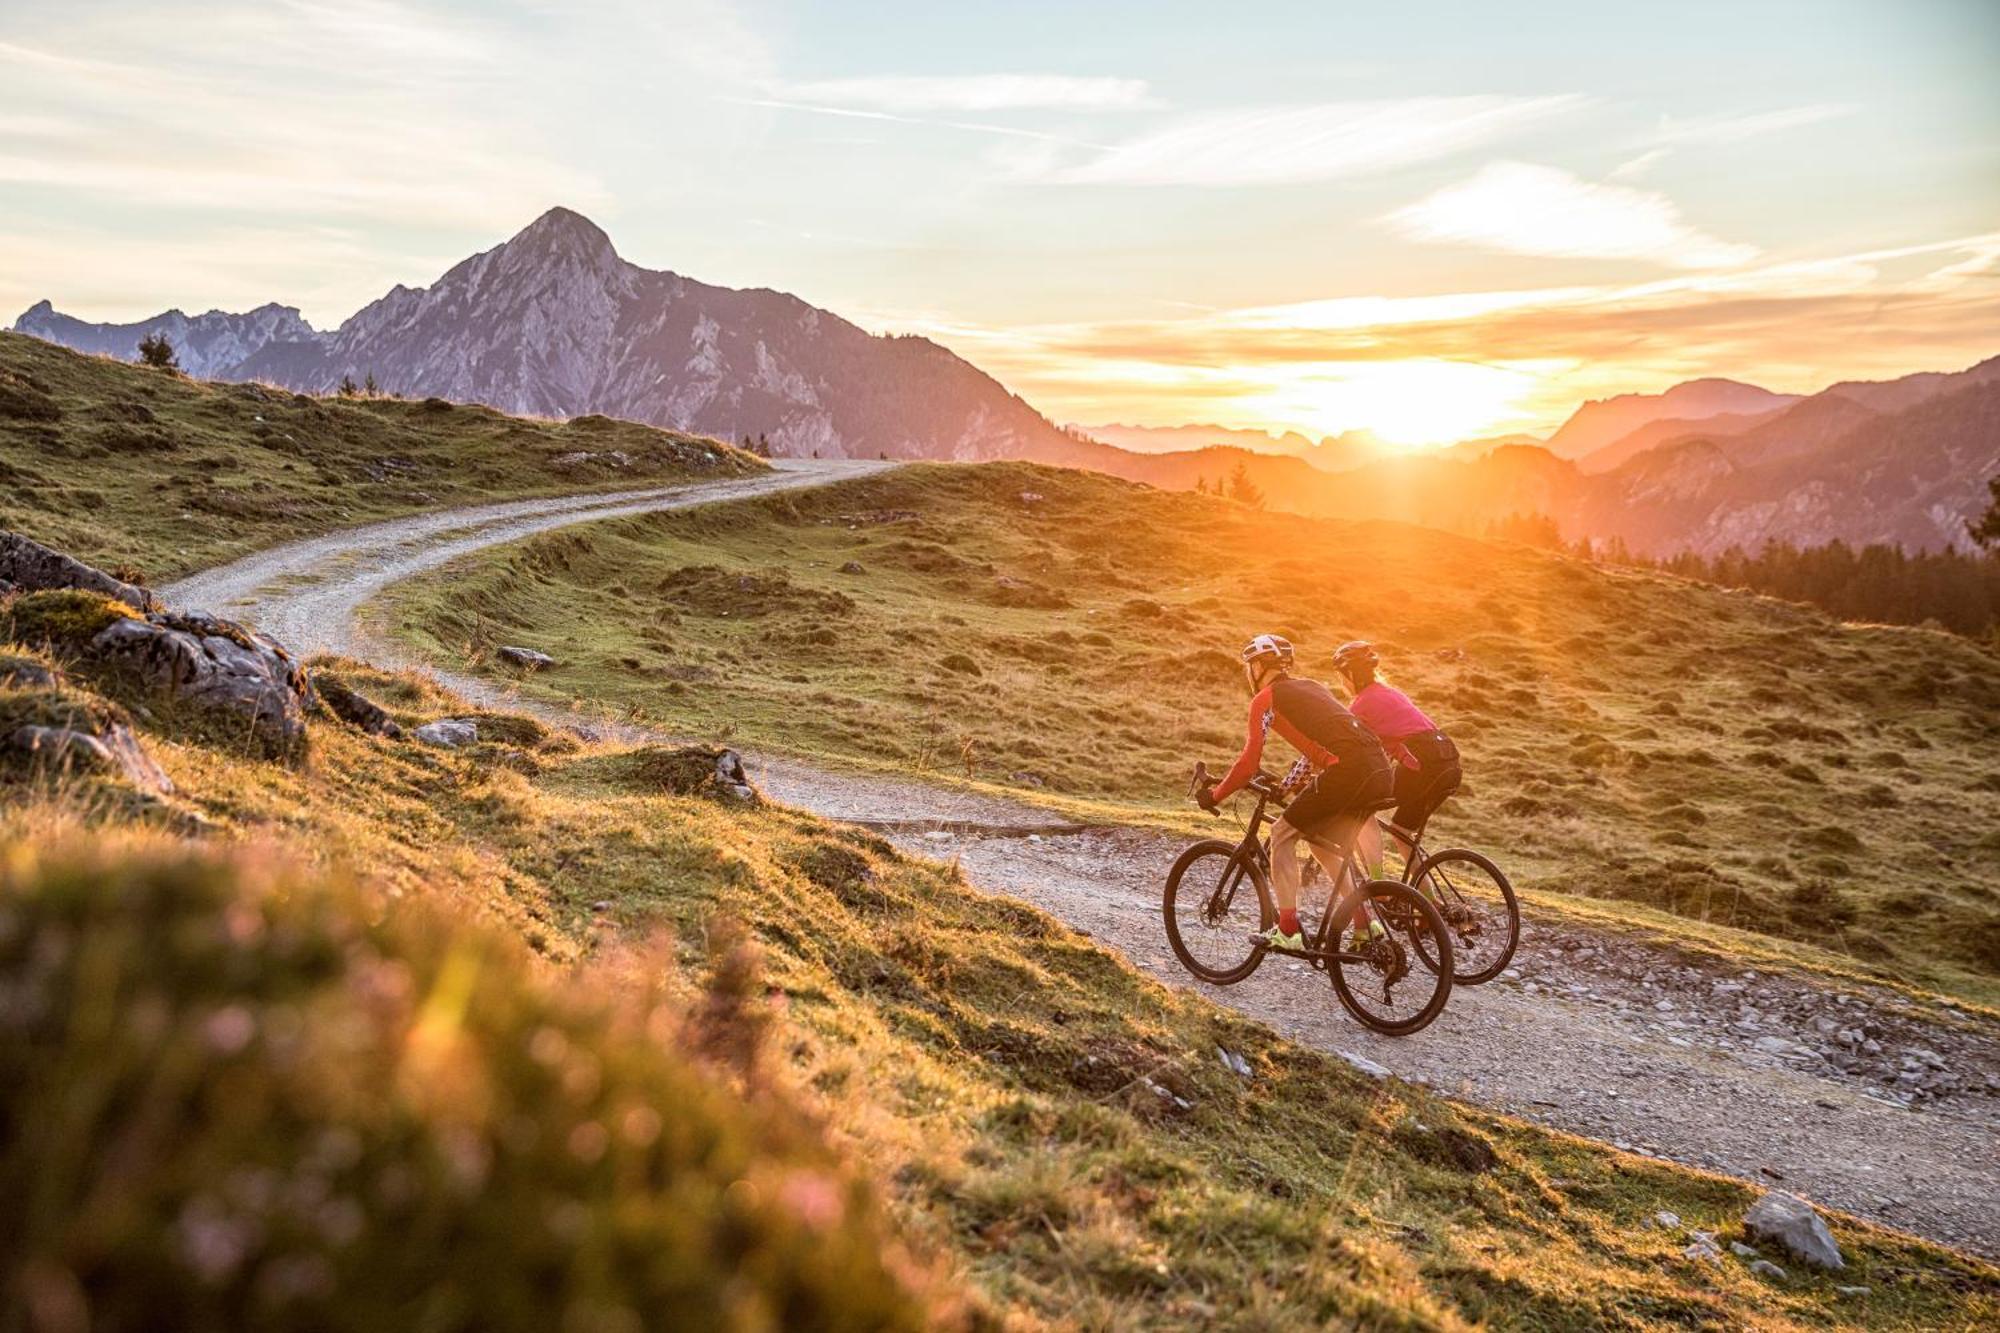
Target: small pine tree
[
  {"x": 1201, "y": 485},
  {"x": 157, "y": 352},
  {"x": 370, "y": 387},
  {"x": 348, "y": 388},
  {"x": 1243, "y": 490}
]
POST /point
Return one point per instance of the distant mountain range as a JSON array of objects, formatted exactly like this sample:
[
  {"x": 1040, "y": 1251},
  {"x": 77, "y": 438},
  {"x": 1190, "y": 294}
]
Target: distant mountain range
[
  {"x": 553, "y": 322},
  {"x": 1605, "y": 421},
  {"x": 1826, "y": 467}
]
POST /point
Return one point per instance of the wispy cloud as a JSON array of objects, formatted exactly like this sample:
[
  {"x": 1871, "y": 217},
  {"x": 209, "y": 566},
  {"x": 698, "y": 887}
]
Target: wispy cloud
[
  {"x": 1717, "y": 129},
  {"x": 1282, "y": 145},
  {"x": 1521, "y": 208},
  {"x": 862, "y": 113},
  {"x": 974, "y": 93},
  {"x": 1676, "y": 132}
]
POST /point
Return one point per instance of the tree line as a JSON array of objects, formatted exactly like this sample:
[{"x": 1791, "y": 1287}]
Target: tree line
[{"x": 1956, "y": 589}]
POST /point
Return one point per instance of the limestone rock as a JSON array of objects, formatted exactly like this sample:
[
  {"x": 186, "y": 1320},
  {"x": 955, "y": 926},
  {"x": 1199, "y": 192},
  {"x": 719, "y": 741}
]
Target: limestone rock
[
  {"x": 1790, "y": 1222},
  {"x": 114, "y": 750},
  {"x": 447, "y": 733},
  {"x": 212, "y": 666},
  {"x": 356, "y": 709},
  {"x": 514, "y": 655},
  {"x": 26, "y": 673},
  {"x": 32, "y": 566}
]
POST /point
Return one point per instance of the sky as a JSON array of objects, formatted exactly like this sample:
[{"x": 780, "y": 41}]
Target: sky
[{"x": 1432, "y": 221}]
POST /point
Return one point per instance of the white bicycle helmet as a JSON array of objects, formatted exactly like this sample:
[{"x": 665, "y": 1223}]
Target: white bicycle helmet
[{"x": 1268, "y": 646}]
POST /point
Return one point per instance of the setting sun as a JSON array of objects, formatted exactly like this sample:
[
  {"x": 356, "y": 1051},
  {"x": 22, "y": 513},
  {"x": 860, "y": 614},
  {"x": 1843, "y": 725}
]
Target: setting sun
[{"x": 1406, "y": 403}]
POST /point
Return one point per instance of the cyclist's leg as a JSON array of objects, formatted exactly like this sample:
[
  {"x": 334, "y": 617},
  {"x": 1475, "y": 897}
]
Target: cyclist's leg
[
  {"x": 1368, "y": 847},
  {"x": 1328, "y": 844},
  {"x": 1285, "y": 874}
]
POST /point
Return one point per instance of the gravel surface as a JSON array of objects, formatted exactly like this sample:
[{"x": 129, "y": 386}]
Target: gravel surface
[{"x": 1850, "y": 1096}]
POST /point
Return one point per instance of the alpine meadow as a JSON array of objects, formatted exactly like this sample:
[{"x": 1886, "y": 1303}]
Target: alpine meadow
[{"x": 711, "y": 666}]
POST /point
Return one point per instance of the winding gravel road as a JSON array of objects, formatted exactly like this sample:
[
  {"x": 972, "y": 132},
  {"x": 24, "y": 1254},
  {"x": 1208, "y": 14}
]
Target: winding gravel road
[{"x": 1595, "y": 1034}]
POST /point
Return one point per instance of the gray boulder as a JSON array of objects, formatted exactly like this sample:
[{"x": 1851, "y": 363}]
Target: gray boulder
[
  {"x": 215, "y": 667},
  {"x": 514, "y": 655},
  {"x": 355, "y": 709},
  {"x": 114, "y": 751},
  {"x": 26, "y": 673},
  {"x": 1787, "y": 1221},
  {"x": 447, "y": 733},
  {"x": 31, "y": 566}
]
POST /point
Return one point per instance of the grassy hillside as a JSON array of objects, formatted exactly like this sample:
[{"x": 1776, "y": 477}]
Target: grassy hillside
[
  {"x": 122, "y": 465},
  {"x": 282, "y": 1097},
  {"x": 1628, "y": 735}
]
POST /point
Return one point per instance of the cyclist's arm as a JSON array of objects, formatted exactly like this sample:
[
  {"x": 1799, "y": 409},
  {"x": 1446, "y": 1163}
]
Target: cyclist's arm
[{"x": 1245, "y": 766}]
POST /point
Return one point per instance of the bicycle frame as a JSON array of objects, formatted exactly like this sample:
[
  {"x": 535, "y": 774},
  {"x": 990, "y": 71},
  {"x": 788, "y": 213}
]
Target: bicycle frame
[{"x": 1257, "y": 847}]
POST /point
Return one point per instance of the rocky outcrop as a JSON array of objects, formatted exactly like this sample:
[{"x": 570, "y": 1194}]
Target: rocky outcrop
[
  {"x": 114, "y": 751},
  {"x": 32, "y": 566},
  {"x": 355, "y": 709},
  {"x": 219, "y": 669},
  {"x": 236, "y": 683},
  {"x": 1790, "y": 1222}
]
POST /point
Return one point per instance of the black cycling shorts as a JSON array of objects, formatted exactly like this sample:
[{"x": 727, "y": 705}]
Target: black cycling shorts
[
  {"x": 1420, "y": 791},
  {"x": 1351, "y": 787}
]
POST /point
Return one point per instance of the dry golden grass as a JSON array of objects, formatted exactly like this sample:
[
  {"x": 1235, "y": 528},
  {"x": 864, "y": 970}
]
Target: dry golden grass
[{"x": 1055, "y": 1140}]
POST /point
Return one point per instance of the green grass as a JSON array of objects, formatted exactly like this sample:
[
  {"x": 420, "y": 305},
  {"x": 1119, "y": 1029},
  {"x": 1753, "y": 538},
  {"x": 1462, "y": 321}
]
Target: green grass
[
  {"x": 1629, "y": 737},
  {"x": 158, "y": 475},
  {"x": 1050, "y": 1134}
]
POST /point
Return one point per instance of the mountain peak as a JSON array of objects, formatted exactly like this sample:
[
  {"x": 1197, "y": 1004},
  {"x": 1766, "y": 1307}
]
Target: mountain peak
[{"x": 566, "y": 229}]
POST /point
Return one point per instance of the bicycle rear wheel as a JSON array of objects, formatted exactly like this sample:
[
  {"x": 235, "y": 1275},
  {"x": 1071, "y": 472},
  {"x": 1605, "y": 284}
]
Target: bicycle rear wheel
[
  {"x": 1391, "y": 987},
  {"x": 1215, "y": 900},
  {"x": 1479, "y": 911}
]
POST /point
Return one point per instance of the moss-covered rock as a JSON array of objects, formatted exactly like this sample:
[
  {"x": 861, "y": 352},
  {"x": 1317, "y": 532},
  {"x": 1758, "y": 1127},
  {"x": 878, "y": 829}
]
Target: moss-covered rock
[{"x": 62, "y": 618}]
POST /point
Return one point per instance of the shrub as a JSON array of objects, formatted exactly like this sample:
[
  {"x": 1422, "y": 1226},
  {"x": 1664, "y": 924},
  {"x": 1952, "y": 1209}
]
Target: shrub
[
  {"x": 235, "y": 1097},
  {"x": 157, "y": 352}
]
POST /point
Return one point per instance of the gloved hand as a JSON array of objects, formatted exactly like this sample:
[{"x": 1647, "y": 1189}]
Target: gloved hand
[{"x": 1204, "y": 796}]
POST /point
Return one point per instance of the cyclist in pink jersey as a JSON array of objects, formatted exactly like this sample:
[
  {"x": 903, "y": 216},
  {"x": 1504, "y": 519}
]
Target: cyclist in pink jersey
[{"x": 1427, "y": 764}]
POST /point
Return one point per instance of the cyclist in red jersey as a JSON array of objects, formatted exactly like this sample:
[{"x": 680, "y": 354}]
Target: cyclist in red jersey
[{"x": 1343, "y": 767}]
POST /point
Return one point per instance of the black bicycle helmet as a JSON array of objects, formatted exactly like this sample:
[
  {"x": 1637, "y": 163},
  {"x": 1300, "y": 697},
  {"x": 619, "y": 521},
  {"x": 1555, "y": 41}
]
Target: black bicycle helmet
[{"x": 1356, "y": 655}]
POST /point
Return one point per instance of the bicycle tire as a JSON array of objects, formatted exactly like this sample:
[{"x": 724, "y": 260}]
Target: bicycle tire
[
  {"x": 1227, "y": 854},
  {"x": 1410, "y": 914},
  {"x": 1465, "y": 973}
]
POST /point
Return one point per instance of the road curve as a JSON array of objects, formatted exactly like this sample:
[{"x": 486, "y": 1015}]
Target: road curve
[{"x": 1622, "y": 1058}]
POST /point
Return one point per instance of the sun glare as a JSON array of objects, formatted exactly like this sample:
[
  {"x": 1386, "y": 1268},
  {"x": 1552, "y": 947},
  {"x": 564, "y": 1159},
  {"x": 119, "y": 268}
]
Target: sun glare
[{"x": 1408, "y": 403}]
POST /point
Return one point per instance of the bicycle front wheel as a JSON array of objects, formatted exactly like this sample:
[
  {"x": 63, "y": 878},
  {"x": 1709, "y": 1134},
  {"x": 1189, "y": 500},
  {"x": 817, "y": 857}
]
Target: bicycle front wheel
[
  {"x": 1215, "y": 901},
  {"x": 1388, "y": 984},
  {"x": 1479, "y": 911}
]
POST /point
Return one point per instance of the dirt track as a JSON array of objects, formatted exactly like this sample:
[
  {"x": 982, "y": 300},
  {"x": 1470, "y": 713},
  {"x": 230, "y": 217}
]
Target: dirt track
[{"x": 1597, "y": 1035}]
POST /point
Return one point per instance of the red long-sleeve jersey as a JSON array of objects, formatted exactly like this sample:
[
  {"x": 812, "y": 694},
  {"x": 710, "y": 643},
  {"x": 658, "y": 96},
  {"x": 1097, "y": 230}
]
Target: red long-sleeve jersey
[{"x": 1305, "y": 714}]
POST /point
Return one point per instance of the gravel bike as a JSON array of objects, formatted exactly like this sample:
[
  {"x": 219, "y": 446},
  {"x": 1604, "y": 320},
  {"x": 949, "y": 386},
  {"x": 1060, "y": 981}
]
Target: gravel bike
[
  {"x": 1218, "y": 896},
  {"x": 1471, "y": 894}
]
